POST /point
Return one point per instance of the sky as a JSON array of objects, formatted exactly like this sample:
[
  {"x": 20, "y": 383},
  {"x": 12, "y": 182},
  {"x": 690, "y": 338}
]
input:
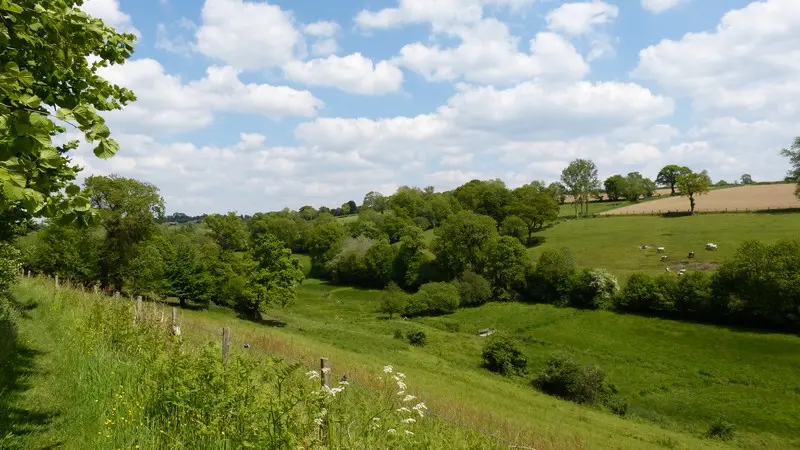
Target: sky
[{"x": 253, "y": 105}]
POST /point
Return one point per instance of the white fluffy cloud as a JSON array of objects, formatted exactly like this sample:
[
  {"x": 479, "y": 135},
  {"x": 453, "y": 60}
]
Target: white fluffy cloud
[
  {"x": 581, "y": 17},
  {"x": 109, "y": 11},
  {"x": 659, "y": 6},
  {"x": 248, "y": 35},
  {"x": 352, "y": 73},
  {"x": 167, "y": 104},
  {"x": 749, "y": 63},
  {"x": 488, "y": 54},
  {"x": 325, "y": 33},
  {"x": 440, "y": 14}
]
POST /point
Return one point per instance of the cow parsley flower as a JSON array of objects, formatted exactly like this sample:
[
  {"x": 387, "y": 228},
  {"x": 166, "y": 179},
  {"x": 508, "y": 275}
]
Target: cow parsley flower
[
  {"x": 409, "y": 420},
  {"x": 408, "y": 398},
  {"x": 409, "y": 433},
  {"x": 312, "y": 375},
  {"x": 388, "y": 369},
  {"x": 391, "y": 431}
]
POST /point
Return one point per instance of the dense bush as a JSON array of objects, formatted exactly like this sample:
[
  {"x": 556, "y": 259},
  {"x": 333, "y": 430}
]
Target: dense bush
[
  {"x": 567, "y": 379},
  {"x": 433, "y": 299},
  {"x": 348, "y": 265},
  {"x": 473, "y": 289},
  {"x": 550, "y": 281},
  {"x": 503, "y": 355},
  {"x": 644, "y": 293},
  {"x": 417, "y": 337},
  {"x": 379, "y": 264},
  {"x": 761, "y": 283},
  {"x": 593, "y": 289},
  {"x": 506, "y": 264},
  {"x": 393, "y": 300},
  {"x": 515, "y": 227},
  {"x": 721, "y": 429}
]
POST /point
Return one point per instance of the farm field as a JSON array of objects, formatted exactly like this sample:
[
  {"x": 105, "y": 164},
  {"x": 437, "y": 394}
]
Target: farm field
[
  {"x": 757, "y": 197},
  {"x": 678, "y": 377},
  {"x": 613, "y": 242}
]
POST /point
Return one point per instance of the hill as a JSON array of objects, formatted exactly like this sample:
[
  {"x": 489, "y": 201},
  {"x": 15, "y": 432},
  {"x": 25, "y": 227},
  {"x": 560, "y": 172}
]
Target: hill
[{"x": 740, "y": 198}]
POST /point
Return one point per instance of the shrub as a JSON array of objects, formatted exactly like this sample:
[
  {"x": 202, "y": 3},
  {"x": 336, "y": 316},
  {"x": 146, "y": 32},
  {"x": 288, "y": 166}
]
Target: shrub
[
  {"x": 551, "y": 279},
  {"x": 644, "y": 293},
  {"x": 593, "y": 289},
  {"x": 348, "y": 266},
  {"x": 417, "y": 337},
  {"x": 398, "y": 334},
  {"x": 761, "y": 283},
  {"x": 567, "y": 379},
  {"x": 692, "y": 294},
  {"x": 379, "y": 264},
  {"x": 434, "y": 298},
  {"x": 473, "y": 289},
  {"x": 393, "y": 300},
  {"x": 721, "y": 429},
  {"x": 502, "y": 355}
]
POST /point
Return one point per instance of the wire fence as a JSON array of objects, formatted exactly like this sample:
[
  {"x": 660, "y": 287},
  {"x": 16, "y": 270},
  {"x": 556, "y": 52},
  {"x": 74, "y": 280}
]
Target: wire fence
[
  {"x": 218, "y": 333},
  {"x": 681, "y": 212}
]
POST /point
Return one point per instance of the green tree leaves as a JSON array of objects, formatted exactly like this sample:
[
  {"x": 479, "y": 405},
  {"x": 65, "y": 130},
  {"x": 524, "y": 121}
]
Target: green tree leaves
[{"x": 45, "y": 68}]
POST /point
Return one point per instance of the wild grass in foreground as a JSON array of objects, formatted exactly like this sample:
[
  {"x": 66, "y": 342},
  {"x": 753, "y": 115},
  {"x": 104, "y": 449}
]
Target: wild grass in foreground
[{"x": 112, "y": 383}]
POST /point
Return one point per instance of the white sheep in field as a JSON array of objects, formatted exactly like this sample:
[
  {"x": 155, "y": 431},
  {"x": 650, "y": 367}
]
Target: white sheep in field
[
  {"x": 668, "y": 269},
  {"x": 664, "y": 258},
  {"x": 711, "y": 246},
  {"x": 660, "y": 250}
]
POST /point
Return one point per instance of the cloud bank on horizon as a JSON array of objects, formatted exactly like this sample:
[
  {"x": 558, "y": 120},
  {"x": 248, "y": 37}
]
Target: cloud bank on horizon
[{"x": 253, "y": 105}]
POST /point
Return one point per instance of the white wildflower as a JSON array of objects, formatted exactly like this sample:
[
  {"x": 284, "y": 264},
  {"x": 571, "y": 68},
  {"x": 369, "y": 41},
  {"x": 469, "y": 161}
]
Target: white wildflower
[
  {"x": 419, "y": 407},
  {"x": 403, "y": 410},
  {"x": 391, "y": 431},
  {"x": 332, "y": 391},
  {"x": 326, "y": 370},
  {"x": 409, "y": 420},
  {"x": 401, "y": 385},
  {"x": 376, "y": 419},
  {"x": 345, "y": 383},
  {"x": 409, "y": 433},
  {"x": 318, "y": 421},
  {"x": 408, "y": 398},
  {"x": 401, "y": 375},
  {"x": 388, "y": 369},
  {"x": 312, "y": 375}
]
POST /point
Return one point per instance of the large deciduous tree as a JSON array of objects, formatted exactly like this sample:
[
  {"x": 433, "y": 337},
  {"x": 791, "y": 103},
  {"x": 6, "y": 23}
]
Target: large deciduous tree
[
  {"x": 535, "y": 206},
  {"x": 228, "y": 231},
  {"x": 276, "y": 279},
  {"x": 580, "y": 178},
  {"x": 793, "y": 153},
  {"x": 49, "y": 55},
  {"x": 506, "y": 263},
  {"x": 490, "y": 198},
  {"x": 693, "y": 184},
  {"x": 128, "y": 210},
  {"x": 614, "y": 185},
  {"x": 375, "y": 201},
  {"x": 668, "y": 176},
  {"x": 746, "y": 179},
  {"x": 462, "y": 242}
]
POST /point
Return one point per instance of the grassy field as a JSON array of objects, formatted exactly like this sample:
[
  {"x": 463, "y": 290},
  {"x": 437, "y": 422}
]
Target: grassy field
[
  {"x": 678, "y": 377},
  {"x": 613, "y": 243},
  {"x": 755, "y": 197}
]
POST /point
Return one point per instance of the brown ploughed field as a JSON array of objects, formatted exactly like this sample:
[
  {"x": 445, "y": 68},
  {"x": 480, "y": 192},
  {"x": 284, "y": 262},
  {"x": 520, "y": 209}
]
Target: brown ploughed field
[{"x": 760, "y": 197}]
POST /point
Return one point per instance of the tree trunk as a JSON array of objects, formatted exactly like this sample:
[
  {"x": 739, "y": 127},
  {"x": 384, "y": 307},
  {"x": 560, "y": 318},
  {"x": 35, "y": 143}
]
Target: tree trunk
[
  {"x": 672, "y": 186},
  {"x": 691, "y": 204}
]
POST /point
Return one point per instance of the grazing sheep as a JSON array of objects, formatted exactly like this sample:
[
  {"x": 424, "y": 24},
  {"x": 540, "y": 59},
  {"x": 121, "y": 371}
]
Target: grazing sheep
[
  {"x": 711, "y": 246},
  {"x": 664, "y": 258},
  {"x": 668, "y": 269},
  {"x": 644, "y": 247},
  {"x": 660, "y": 250},
  {"x": 691, "y": 255}
]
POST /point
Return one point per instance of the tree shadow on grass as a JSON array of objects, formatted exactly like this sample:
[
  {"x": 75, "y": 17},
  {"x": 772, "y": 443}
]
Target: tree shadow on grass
[
  {"x": 262, "y": 319},
  {"x": 17, "y": 366}
]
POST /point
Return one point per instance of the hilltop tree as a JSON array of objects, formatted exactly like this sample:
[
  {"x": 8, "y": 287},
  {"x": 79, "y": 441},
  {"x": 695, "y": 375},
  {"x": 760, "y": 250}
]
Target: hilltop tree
[
  {"x": 580, "y": 178},
  {"x": 128, "y": 210},
  {"x": 692, "y": 184},
  {"x": 558, "y": 191},
  {"x": 668, "y": 176},
  {"x": 307, "y": 212},
  {"x": 490, "y": 198},
  {"x": 534, "y": 206},
  {"x": 375, "y": 201},
  {"x": 614, "y": 185},
  {"x": 45, "y": 73},
  {"x": 746, "y": 179},
  {"x": 407, "y": 202},
  {"x": 793, "y": 153}
]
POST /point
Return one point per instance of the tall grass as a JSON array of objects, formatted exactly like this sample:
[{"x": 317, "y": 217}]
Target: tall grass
[{"x": 118, "y": 384}]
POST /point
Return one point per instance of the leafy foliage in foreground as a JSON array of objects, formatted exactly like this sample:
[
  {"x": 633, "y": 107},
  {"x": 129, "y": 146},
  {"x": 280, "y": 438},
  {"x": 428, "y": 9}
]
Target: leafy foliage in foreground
[{"x": 51, "y": 53}]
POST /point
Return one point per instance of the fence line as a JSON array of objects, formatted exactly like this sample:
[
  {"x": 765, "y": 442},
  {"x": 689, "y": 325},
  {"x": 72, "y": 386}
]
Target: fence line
[
  {"x": 660, "y": 212},
  {"x": 325, "y": 375}
]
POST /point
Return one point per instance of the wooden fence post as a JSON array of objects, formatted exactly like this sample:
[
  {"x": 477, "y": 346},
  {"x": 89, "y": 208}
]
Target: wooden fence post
[
  {"x": 325, "y": 372},
  {"x": 176, "y": 329},
  {"x": 56, "y": 285},
  {"x": 138, "y": 308},
  {"x": 226, "y": 344},
  {"x": 116, "y": 294}
]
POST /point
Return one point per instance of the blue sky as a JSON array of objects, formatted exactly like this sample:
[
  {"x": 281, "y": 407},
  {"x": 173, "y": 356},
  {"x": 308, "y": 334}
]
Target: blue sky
[{"x": 254, "y": 105}]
